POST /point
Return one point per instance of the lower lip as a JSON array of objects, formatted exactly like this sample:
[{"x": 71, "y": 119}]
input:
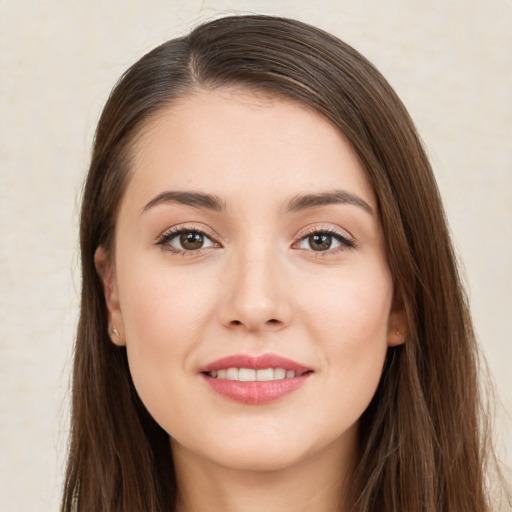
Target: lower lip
[{"x": 257, "y": 392}]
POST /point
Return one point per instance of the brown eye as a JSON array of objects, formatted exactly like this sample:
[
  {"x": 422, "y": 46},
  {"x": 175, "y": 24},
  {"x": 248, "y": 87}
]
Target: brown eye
[
  {"x": 320, "y": 242},
  {"x": 186, "y": 240},
  {"x": 325, "y": 241},
  {"x": 191, "y": 240}
]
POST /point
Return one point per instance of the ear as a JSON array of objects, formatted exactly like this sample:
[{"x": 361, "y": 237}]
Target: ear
[
  {"x": 106, "y": 271},
  {"x": 398, "y": 326}
]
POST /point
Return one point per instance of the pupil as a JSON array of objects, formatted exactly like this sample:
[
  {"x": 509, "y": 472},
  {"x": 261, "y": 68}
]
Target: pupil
[
  {"x": 191, "y": 240},
  {"x": 320, "y": 242}
]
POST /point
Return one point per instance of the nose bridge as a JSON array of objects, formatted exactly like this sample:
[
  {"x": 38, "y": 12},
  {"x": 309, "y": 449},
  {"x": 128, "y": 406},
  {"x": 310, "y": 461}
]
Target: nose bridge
[{"x": 255, "y": 294}]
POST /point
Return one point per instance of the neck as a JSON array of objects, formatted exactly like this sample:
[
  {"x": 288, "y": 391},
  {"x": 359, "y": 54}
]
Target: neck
[{"x": 317, "y": 483}]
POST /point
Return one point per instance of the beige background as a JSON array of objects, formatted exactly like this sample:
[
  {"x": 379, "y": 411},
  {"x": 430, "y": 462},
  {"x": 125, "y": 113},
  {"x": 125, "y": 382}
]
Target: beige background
[{"x": 449, "y": 60}]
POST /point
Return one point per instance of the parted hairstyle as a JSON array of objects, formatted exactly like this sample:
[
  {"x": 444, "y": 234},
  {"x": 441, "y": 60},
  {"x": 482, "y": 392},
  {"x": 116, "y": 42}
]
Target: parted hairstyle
[{"x": 423, "y": 442}]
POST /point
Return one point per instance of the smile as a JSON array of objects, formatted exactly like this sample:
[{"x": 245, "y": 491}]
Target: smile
[
  {"x": 252, "y": 375},
  {"x": 255, "y": 380}
]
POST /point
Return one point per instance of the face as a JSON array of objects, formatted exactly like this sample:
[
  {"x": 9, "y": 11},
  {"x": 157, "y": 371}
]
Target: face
[{"x": 250, "y": 283}]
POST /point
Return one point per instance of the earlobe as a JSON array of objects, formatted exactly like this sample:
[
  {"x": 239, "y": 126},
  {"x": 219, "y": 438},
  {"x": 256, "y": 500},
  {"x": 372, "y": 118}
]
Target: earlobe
[
  {"x": 398, "y": 328},
  {"x": 107, "y": 274}
]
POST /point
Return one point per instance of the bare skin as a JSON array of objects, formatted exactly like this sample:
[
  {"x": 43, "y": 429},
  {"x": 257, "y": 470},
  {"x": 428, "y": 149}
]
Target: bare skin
[{"x": 315, "y": 485}]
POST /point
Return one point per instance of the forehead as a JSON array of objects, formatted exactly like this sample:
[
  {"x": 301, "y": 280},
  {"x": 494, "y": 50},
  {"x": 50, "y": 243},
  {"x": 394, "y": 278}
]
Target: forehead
[{"x": 229, "y": 142}]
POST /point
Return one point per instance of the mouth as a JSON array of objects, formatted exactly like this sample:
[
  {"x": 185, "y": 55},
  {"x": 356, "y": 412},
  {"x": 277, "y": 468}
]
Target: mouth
[
  {"x": 252, "y": 375},
  {"x": 255, "y": 380}
]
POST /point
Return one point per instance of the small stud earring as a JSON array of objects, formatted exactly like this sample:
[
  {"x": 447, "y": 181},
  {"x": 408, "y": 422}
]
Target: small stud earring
[{"x": 114, "y": 331}]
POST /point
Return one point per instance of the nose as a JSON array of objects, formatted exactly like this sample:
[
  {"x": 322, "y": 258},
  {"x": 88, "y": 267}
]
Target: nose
[{"x": 254, "y": 295}]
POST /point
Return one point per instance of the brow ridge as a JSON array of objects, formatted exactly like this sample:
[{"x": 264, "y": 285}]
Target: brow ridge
[
  {"x": 296, "y": 204},
  {"x": 303, "y": 202},
  {"x": 194, "y": 199}
]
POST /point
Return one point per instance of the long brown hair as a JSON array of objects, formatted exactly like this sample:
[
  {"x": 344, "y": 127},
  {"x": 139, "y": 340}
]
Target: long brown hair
[{"x": 422, "y": 442}]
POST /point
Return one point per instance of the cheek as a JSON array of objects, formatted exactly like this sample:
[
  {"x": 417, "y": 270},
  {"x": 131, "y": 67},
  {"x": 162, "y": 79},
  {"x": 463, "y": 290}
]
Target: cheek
[
  {"x": 164, "y": 319},
  {"x": 350, "y": 324},
  {"x": 160, "y": 304},
  {"x": 352, "y": 308}
]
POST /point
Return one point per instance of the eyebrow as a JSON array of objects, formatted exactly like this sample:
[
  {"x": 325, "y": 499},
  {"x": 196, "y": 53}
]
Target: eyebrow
[
  {"x": 195, "y": 199},
  {"x": 303, "y": 202},
  {"x": 296, "y": 204}
]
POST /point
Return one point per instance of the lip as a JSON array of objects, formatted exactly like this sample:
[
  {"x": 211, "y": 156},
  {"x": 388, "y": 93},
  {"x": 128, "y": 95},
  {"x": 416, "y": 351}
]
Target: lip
[
  {"x": 255, "y": 362},
  {"x": 258, "y": 392}
]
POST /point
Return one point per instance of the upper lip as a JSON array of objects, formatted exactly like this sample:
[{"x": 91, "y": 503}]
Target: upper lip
[{"x": 255, "y": 362}]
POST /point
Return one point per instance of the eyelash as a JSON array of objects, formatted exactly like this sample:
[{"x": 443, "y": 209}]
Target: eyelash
[
  {"x": 165, "y": 238},
  {"x": 345, "y": 241}
]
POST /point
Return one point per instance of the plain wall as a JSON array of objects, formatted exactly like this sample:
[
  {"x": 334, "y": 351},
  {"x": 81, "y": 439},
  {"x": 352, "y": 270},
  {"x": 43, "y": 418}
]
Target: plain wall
[{"x": 450, "y": 61}]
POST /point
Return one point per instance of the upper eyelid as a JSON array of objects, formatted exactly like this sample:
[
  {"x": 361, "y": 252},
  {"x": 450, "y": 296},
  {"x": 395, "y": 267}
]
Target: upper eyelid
[
  {"x": 179, "y": 228},
  {"x": 324, "y": 229}
]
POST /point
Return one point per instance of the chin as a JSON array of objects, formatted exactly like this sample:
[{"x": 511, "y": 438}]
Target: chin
[
  {"x": 271, "y": 451},
  {"x": 258, "y": 458}
]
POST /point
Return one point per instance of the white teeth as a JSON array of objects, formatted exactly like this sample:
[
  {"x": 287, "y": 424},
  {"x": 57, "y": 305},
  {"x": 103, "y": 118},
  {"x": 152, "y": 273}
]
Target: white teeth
[
  {"x": 266, "y": 374},
  {"x": 232, "y": 374},
  {"x": 247, "y": 374},
  {"x": 279, "y": 373},
  {"x": 251, "y": 375}
]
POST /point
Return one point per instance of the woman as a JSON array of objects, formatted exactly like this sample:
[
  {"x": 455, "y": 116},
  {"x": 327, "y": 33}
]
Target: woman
[{"x": 272, "y": 317}]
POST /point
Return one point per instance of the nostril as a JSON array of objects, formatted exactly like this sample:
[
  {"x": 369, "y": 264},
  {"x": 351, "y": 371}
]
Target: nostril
[{"x": 271, "y": 321}]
